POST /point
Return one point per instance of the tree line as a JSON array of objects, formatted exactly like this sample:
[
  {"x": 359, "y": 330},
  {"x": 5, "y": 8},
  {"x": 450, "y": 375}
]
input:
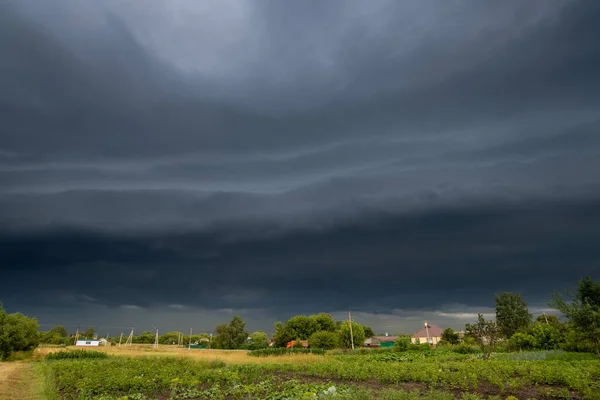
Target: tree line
[{"x": 513, "y": 329}]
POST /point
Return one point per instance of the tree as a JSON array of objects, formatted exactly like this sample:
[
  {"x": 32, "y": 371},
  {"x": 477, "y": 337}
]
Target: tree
[
  {"x": 323, "y": 340},
  {"x": 485, "y": 333},
  {"x": 302, "y": 326},
  {"x": 512, "y": 313},
  {"x": 358, "y": 334},
  {"x": 450, "y": 337},
  {"x": 583, "y": 310},
  {"x": 232, "y": 335},
  {"x": 169, "y": 338},
  {"x": 368, "y": 331},
  {"x": 258, "y": 340},
  {"x": 17, "y": 333},
  {"x": 324, "y": 322},
  {"x": 89, "y": 334},
  {"x": 56, "y": 335},
  {"x": 144, "y": 338},
  {"x": 282, "y": 336}
]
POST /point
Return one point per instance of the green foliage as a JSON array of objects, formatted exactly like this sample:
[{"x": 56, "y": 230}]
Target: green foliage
[
  {"x": 279, "y": 351},
  {"x": 485, "y": 333},
  {"x": 583, "y": 310},
  {"x": 546, "y": 337},
  {"x": 521, "y": 341},
  {"x": 302, "y": 327},
  {"x": 76, "y": 355},
  {"x": 90, "y": 333},
  {"x": 169, "y": 338},
  {"x": 17, "y": 333},
  {"x": 282, "y": 335},
  {"x": 325, "y": 322},
  {"x": 512, "y": 313},
  {"x": 258, "y": 340},
  {"x": 232, "y": 335},
  {"x": 323, "y": 340},
  {"x": 576, "y": 341},
  {"x": 402, "y": 343},
  {"x": 144, "y": 338},
  {"x": 358, "y": 334},
  {"x": 56, "y": 335},
  {"x": 450, "y": 337},
  {"x": 368, "y": 331}
]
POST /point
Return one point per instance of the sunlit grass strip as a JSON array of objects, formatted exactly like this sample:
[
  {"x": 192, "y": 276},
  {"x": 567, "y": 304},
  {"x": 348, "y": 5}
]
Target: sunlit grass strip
[{"x": 283, "y": 352}]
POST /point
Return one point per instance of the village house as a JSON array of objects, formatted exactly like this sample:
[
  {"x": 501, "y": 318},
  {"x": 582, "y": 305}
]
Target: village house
[{"x": 428, "y": 334}]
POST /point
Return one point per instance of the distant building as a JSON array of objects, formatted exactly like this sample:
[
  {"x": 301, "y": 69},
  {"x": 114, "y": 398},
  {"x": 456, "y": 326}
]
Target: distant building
[
  {"x": 293, "y": 342},
  {"x": 87, "y": 343},
  {"x": 381, "y": 341},
  {"x": 429, "y": 334}
]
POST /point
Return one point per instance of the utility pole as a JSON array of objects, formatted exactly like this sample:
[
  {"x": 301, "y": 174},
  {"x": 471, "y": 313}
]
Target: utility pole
[
  {"x": 351, "y": 334},
  {"x": 156, "y": 340},
  {"x": 190, "y": 342},
  {"x": 120, "y": 338},
  {"x": 427, "y": 330},
  {"x": 130, "y": 338},
  {"x": 546, "y": 318},
  {"x": 76, "y": 336}
]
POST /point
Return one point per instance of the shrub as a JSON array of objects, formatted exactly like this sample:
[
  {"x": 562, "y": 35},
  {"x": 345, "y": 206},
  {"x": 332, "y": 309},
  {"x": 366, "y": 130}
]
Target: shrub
[
  {"x": 464, "y": 348},
  {"x": 546, "y": 337},
  {"x": 323, "y": 340},
  {"x": 521, "y": 341},
  {"x": 402, "y": 343},
  {"x": 76, "y": 355}
]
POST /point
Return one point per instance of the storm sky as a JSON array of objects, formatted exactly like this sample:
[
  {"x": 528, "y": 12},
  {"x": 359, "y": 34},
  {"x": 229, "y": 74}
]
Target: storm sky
[{"x": 172, "y": 163}]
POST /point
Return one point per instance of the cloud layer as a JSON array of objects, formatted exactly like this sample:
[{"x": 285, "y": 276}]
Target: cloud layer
[{"x": 406, "y": 159}]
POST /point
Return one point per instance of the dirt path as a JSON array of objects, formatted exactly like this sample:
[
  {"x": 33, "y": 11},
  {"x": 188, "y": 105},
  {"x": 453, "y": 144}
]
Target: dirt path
[{"x": 17, "y": 381}]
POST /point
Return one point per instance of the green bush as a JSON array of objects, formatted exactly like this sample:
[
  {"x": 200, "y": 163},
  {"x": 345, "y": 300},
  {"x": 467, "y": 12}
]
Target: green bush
[
  {"x": 521, "y": 341},
  {"x": 464, "y": 348},
  {"x": 546, "y": 337},
  {"x": 17, "y": 333},
  {"x": 402, "y": 343},
  {"x": 323, "y": 340},
  {"x": 76, "y": 355}
]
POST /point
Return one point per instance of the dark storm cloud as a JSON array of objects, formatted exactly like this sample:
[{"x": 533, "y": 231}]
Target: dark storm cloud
[
  {"x": 290, "y": 161},
  {"x": 419, "y": 261}
]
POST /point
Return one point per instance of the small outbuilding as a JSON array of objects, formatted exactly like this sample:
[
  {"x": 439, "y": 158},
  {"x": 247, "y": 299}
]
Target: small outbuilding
[
  {"x": 381, "y": 341},
  {"x": 87, "y": 343}
]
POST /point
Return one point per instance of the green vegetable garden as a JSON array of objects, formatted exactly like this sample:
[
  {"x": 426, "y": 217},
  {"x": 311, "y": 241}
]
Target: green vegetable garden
[{"x": 437, "y": 375}]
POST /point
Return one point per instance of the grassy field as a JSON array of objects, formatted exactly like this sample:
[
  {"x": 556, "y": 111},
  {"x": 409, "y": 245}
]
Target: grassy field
[{"x": 142, "y": 373}]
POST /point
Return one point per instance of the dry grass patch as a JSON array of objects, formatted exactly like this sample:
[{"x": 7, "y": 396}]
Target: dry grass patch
[
  {"x": 227, "y": 356},
  {"x": 18, "y": 380}
]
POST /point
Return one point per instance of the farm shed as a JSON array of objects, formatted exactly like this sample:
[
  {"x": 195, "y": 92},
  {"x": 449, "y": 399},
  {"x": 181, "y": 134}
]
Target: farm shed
[
  {"x": 87, "y": 343},
  {"x": 429, "y": 334},
  {"x": 381, "y": 341}
]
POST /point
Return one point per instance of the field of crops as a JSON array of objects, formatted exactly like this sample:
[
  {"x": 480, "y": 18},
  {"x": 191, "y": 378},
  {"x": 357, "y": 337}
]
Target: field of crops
[{"x": 340, "y": 376}]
